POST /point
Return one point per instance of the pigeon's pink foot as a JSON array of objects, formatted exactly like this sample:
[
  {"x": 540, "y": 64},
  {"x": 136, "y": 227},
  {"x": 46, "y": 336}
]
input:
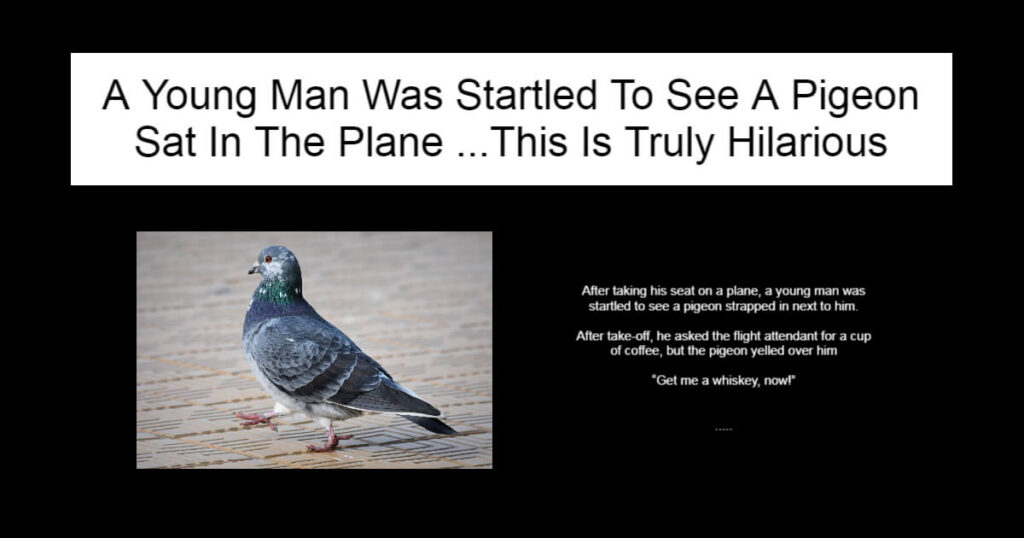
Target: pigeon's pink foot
[
  {"x": 332, "y": 442},
  {"x": 259, "y": 418}
]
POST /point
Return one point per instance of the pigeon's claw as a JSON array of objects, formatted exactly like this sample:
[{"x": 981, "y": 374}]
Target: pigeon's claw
[
  {"x": 255, "y": 422},
  {"x": 332, "y": 442},
  {"x": 263, "y": 418}
]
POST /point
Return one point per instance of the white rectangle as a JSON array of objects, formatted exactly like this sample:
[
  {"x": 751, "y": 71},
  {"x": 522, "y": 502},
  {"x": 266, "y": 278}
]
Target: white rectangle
[{"x": 851, "y": 104}]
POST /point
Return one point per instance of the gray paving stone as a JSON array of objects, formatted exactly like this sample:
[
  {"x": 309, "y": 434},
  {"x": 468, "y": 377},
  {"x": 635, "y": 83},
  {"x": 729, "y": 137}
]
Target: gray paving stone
[{"x": 420, "y": 303}]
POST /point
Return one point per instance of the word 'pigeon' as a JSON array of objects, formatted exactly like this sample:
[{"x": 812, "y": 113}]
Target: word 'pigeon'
[{"x": 311, "y": 367}]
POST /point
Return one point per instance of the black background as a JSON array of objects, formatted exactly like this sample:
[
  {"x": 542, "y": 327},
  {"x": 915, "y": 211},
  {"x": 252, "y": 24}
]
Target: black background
[{"x": 892, "y": 411}]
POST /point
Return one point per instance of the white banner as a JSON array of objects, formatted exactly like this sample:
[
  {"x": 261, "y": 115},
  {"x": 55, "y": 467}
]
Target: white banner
[{"x": 511, "y": 119}]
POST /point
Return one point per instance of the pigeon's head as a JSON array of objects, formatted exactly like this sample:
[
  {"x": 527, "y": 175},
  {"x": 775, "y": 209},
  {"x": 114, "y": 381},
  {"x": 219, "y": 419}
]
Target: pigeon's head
[{"x": 277, "y": 262}]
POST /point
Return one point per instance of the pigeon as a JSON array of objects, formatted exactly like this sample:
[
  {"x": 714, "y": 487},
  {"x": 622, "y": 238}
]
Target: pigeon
[{"x": 309, "y": 366}]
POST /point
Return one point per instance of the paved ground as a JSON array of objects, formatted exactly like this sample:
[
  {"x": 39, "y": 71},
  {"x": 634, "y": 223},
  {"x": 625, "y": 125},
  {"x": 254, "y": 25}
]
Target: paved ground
[{"x": 418, "y": 303}]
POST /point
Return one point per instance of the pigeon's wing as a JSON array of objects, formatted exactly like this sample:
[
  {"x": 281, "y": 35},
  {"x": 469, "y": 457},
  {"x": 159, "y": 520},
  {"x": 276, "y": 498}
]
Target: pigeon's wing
[{"x": 315, "y": 362}]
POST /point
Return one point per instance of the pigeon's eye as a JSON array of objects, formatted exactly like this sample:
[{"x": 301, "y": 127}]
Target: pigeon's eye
[{"x": 267, "y": 259}]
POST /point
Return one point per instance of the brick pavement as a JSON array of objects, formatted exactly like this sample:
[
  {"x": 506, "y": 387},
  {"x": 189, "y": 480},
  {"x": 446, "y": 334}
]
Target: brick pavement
[{"x": 418, "y": 303}]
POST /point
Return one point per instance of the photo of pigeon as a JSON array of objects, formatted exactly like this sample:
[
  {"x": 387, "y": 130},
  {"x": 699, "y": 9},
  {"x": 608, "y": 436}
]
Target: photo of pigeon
[{"x": 309, "y": 366}]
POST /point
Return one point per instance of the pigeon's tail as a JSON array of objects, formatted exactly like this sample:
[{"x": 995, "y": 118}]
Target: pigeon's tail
[
  {"x": 390, "y": 397},
  {"x": 431, "y": 424}
]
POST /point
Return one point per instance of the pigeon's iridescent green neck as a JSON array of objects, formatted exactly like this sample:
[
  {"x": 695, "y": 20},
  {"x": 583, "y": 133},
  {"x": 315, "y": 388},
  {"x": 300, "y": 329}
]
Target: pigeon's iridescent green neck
[{"x": 279, "y": 291}]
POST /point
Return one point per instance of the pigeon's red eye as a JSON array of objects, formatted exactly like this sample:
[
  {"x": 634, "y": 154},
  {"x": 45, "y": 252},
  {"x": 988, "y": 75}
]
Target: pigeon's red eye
[{"x": 267, "y": 259}]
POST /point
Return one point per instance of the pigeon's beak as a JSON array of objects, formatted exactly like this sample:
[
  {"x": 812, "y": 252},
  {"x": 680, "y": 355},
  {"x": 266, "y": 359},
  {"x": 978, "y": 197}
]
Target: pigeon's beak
[{"x": 255, "y": 267}]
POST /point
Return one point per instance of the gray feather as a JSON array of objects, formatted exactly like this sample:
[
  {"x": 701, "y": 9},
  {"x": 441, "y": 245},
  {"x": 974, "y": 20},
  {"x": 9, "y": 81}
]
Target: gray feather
[
  {"x": 389, "y": 397},
  {"x": 303, "y": 356}
]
